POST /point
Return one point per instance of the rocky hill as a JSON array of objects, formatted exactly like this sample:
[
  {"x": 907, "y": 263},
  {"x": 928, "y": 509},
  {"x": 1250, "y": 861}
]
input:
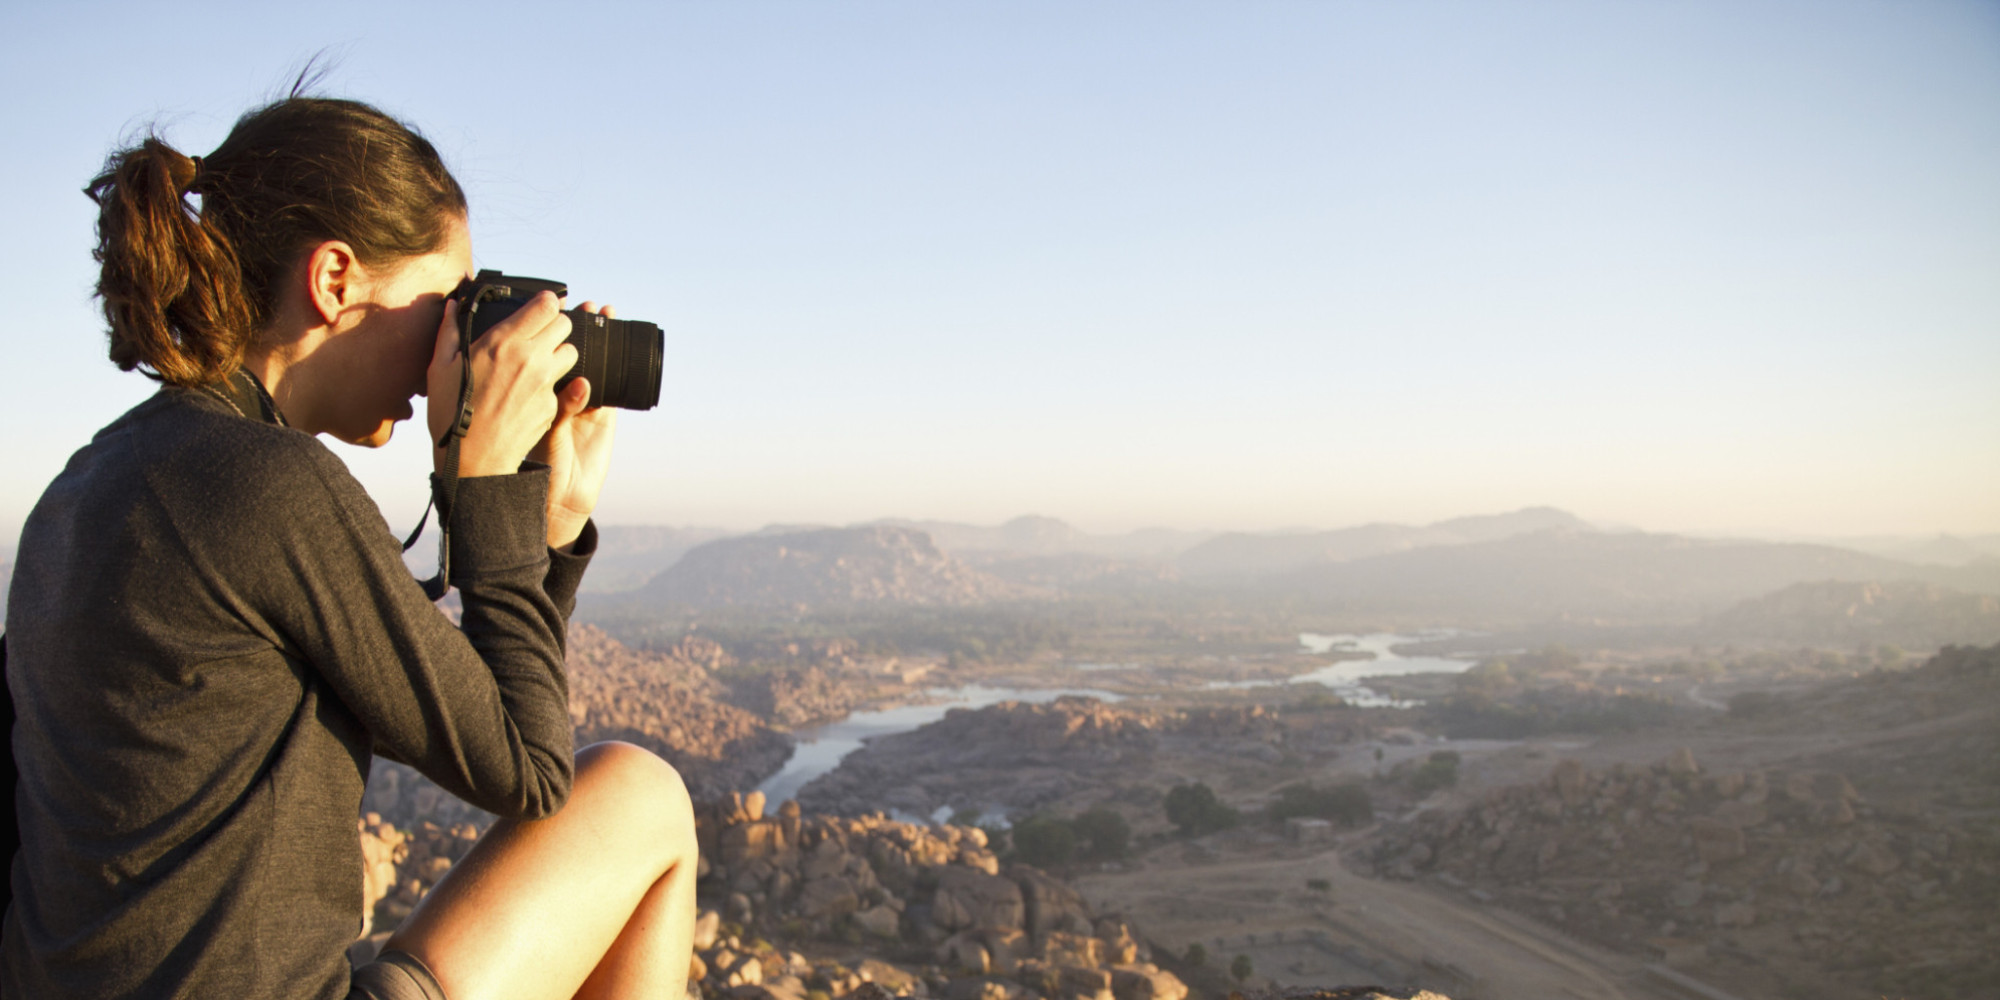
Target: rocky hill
[
  {"x": 824, "y": 567},
  {"x": 1072, "y": 754},
  {"x": 1870, "y": 867},
  {"x": 1046, "y": 536},
  {"x": 628, "y": 555},
  {"x": 1017, "y": 755},
  {"x": 1843, "y": 615},
  {"x": 884, "y": 909},
  {"x": 1242, "y": 556}
]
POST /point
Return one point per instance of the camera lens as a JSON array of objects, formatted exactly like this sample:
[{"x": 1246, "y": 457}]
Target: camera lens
[{"x": 620, "y": 357}]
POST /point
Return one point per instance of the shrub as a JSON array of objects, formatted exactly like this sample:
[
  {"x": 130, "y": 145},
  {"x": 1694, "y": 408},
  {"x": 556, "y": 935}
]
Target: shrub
[
  {"x": 1241, "y": 968},
  {"x": 1319, "y": 885},
  {"x": 1104, "y": 832},
  {"x": 1344, "y": 803},
  {"x": 1196, "y": 955},
  {"x": 1044, "y": 841},
  {"x": 1195, "y": 810}
]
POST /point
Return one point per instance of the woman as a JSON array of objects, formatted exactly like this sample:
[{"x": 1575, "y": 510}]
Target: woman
[{"x": 211, "y": 630}]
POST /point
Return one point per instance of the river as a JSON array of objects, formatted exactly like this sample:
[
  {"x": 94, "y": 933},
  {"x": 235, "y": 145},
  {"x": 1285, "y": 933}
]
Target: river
[{"x": 820, "y": 748}]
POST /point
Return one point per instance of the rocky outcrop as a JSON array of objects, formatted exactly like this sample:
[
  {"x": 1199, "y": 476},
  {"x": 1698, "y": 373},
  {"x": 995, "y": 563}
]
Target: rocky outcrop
[
  {"x": 400, "y": 866},
  {"x": 966, "y": 926},
  {"x": 824, "y": 567},
  {"x": 1018, "y": 755},
  {"x": 1842, "y": 614},
  {"x": 1793, "y": 866},
  {"x": 669, "y": 703}
]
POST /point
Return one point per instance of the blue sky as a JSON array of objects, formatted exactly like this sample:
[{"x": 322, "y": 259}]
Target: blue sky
[{"x": 1706, "y": 267}]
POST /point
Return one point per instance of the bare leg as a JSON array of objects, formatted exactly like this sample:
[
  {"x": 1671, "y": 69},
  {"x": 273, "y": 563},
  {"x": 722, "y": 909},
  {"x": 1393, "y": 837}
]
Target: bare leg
[{"x": 595, "y": 901}]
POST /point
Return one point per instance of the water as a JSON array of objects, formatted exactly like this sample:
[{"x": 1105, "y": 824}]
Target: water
[
  {"x": 821, "y": 748},
  {"x": 1344, "y": 677}
]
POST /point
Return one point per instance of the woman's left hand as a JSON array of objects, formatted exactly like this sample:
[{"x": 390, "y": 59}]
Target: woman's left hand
[{"x": 577, "y": 450}]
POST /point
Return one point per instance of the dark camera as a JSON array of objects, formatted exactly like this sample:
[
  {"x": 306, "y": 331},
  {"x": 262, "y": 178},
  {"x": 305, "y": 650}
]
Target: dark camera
[{"x": 620, "y": 357}]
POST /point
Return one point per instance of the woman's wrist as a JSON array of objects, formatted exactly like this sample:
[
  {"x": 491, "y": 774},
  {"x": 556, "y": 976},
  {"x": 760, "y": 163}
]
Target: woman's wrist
[{"x": 564, "y": 530}]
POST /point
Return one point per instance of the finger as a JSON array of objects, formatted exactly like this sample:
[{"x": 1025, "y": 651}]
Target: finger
[
  {"x": 533, "y": 320},
  {"x": 557, "y": 328},
  {"x": 561, "y": 360}
]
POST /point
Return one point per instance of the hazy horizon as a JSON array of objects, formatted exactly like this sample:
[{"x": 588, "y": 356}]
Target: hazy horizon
[{"x": 1712, "y": 269}]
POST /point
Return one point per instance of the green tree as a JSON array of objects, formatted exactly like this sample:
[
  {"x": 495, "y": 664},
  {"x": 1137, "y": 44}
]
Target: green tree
[
  {"x": 1044, "y": 841},
  {"x": 1104, "y": 832},
  {"x": 1196, "y": 955},
  {"x": 1241, "y": 968},
  {"x": 1196, "y": 811}
]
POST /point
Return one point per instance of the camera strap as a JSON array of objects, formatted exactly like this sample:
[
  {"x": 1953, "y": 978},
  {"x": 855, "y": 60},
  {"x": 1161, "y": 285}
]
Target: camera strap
[{"x": 444, "y": 482}]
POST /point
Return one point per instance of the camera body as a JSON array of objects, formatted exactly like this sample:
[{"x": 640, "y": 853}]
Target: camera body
[{"x": 621, "y": 358}]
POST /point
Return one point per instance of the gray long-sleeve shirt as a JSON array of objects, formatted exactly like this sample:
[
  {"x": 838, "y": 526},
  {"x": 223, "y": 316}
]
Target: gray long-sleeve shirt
[{"x": 209, "y": 630}]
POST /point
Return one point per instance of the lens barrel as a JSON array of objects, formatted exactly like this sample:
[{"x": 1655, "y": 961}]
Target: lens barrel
[{"x": 621, "y": 358}]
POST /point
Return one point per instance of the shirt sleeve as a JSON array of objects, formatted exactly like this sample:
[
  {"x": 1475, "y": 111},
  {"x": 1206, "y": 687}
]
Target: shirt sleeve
[{"x": 481, "y": 708}]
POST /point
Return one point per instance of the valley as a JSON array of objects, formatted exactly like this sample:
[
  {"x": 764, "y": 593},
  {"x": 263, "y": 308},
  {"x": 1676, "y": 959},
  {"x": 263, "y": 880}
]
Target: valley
[{"x": 1502, "y": 756}]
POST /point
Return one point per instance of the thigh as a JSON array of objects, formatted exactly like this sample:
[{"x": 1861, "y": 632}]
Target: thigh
[{"x": 536, "y": 904}]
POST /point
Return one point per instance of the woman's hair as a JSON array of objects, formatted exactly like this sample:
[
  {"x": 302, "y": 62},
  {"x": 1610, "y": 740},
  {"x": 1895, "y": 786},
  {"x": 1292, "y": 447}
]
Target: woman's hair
[{"x": 185, "y": 289}]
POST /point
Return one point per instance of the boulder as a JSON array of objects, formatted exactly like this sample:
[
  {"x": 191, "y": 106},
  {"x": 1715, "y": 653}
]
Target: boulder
[
  {"x": 964, "y": 951},
  {"x": 890, "y": 978},
  {"x": 1146, "y": 982},
  {"x": 827, "y": 897},
  {"x": 967, "y": 898},
  {"x": 745, "y": 841},
  {"x": 707, "y": 926},
  {"x": 881, "y": 921},
  {"x": 1052, "y": 905},
  {"x": 1009, "y": 947},
  {"x": 1715, "y": 840},
  {"x": 1059, "y": 948}
]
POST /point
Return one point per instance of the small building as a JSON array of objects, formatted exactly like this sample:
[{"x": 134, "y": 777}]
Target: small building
[{"x": 1306, "y": 830}]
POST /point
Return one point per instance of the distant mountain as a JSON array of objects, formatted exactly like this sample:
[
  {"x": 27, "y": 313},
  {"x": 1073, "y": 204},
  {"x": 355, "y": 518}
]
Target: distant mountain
[
  {"x": 1035, "y": 535},
  {"x": 1078, "y": 571},
  {"x": 628, "y": 555},
  {"x": 1940, "y": 550},
  {"x": 1245, "y": 556},
  {"x": 1582, "y": 575},
  {"x": 822, "y": 567},
  {"x": 1905, "y": 613}
]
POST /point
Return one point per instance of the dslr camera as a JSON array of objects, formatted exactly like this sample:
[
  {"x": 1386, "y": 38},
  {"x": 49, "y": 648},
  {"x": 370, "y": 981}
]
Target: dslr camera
[{"x": 620, "y": 357}]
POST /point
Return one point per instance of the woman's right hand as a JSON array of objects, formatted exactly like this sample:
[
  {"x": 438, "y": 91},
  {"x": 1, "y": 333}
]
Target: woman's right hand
[{"x": 514, "y": 370}]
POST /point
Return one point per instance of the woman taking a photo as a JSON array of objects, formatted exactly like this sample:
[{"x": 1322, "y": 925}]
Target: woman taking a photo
[{"x": 211, "y": 630}]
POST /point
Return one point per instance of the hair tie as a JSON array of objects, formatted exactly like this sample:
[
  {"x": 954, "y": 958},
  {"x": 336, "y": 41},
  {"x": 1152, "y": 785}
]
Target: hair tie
[{"x": 187, "y": 186}]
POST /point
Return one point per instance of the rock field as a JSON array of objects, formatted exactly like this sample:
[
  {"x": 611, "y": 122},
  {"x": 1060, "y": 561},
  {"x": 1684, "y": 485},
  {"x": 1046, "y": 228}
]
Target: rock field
[{"x": 1788, "y": 871}]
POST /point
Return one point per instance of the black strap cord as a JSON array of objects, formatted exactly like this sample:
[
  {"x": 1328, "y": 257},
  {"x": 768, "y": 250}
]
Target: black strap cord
[{"x": 444, "y": 482}]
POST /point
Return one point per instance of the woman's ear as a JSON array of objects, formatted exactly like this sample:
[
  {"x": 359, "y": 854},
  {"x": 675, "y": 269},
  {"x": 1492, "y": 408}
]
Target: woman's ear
[{"x": 331, "y": 279}]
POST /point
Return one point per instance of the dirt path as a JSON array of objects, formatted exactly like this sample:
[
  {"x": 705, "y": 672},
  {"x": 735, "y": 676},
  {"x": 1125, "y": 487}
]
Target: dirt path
[{"x": 1258, "y": 904}]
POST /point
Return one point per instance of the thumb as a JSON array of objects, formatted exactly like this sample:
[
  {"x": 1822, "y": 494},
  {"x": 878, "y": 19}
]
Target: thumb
[{"x": 575, "y": 396}]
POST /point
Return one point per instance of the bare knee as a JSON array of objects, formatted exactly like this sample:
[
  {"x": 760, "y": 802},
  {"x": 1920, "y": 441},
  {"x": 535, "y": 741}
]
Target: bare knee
[{"x": 639, "y": 791}]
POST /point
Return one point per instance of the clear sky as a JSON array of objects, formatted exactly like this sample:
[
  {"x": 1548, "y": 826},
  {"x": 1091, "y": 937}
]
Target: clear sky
[{"x": 1701, "y": 267}]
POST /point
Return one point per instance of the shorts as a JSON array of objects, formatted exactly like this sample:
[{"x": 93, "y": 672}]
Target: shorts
[{"x": 395, "y": 975}]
